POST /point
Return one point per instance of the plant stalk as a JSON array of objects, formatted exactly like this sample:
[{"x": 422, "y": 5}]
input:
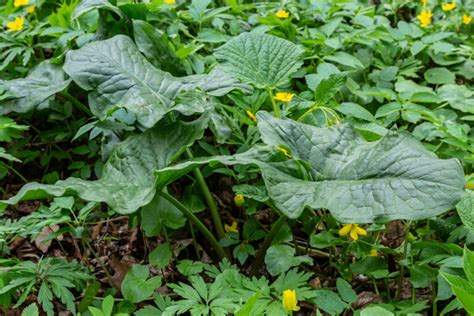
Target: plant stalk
[
  {"x": 216, "y": 219},
  {"x": 76, "y": 103},
  {"x": 259, "y": 257},
  {"x": 276, "y": 109},
  {"x": 192, "y": 218}
]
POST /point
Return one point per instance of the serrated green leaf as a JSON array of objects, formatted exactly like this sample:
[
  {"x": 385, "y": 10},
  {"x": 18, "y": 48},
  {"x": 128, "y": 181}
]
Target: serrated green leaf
[{"x": 266, "y": 61}]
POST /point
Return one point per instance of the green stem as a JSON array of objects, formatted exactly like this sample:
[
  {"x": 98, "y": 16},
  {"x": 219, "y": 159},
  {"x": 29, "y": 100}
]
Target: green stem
[
  {"x": 76, "y": 103},
  {"x": 216, "y": 219},
  {"x": 275, "y": 106},
  {"x": 99, "y": 261},
  {"x": 16, "y": 172},
  {"x": 259, "y": 257},
  {"x": 191, "y": 217}
]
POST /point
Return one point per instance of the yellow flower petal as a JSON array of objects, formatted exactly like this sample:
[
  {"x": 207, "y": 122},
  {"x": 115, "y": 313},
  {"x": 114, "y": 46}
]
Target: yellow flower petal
[
  {"x": 284, "y": 96},
  {"x": 282, "y": 14},
  {"x": 425, "y": 2},
  {"x": 231, "y": 228},
  {"x": 169, "y": 1},
  {"x": 354, "y": 235},
  {"x": 346, "y": 228},
  {"x": 448, "y": 6},
  {"x": 30, "y": 9},
  {"x": 360, "y": 231},
  {"x": 251, "y": 116},
  {"x": 19, "y": 3},
  {"x": 239, "y": 200},
  {"x": 16, "y": 25},
  {"x": 289, "y": 301},
  {"x": 425, "y": 18},
  {"x": 466, "y": 19}
]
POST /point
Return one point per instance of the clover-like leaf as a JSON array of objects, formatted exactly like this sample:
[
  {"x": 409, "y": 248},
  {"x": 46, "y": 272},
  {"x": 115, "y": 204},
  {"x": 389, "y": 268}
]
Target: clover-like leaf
[
  {"x": 120, "y": 76},
  {"x": 34, "y": 91},
  {"x": 137, "y": 285},
  {"x": 127, "y": 181},
  {"x": 336, "y": 169},
  {"x": 266, "y": 61}
]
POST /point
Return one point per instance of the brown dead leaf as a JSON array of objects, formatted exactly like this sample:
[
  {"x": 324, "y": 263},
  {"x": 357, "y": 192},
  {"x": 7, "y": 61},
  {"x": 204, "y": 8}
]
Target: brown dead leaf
[{"x": 47, "y": 230}]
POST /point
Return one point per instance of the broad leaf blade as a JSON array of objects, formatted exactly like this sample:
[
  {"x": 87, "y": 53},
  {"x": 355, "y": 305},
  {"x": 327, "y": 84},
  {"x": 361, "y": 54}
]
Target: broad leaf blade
[
  {"x": 260, "y": 59},
  {"x": 465, "y": 210},
  {"x": 335, "y": 168},
  {"x": 34, "y": 91},
  {"x": 127, "y": 181},
  {"x": 120, "y": 76}
]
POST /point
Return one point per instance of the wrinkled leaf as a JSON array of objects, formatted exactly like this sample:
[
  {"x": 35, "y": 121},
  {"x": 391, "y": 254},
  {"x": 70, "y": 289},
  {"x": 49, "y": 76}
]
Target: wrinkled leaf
[
  {"x": 263, "y": 60},
  {"x": 127, "y": 177},
  {"x": 335, "y": 168},
  {"x": 120, "y": 76},
  {"x": 34, "y": 91}
]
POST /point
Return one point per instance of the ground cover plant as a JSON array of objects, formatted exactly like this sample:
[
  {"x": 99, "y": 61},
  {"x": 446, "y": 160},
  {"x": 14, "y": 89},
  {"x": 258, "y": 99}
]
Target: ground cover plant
[{"x": 236, "y": 157}]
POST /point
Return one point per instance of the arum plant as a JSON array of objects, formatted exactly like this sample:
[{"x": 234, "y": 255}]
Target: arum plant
[
  {"x": 119, "y": 76},
  {"x": 336, "y": 169}
]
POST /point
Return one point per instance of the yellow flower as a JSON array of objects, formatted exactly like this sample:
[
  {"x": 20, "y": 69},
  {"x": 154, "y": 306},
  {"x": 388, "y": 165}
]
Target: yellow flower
[
  {"x": 16, "y": 25},
  {"x": 353, "y": 230},
  {"x": 239, "y": 200},
  {"x": 284, "y": 96},
  {"x": 425, "y": 2},
  {"x": 289, "y": 301},
  {"x": 19, "y": 3},
  {"x": 448, "y": 6},
  {"x": 283, "y": 150},
  {"x": 425, "y": 18},
  {"x": 169, "y": 1},
  {"x": 373, "y": 253},
  {"x": 231, "y": 228},
  {"x": 252, "y": 116},
  {"x": 30, "y": 9},
  {"x": 466, "y": 19},
  {"x": 282, "y": 14}
]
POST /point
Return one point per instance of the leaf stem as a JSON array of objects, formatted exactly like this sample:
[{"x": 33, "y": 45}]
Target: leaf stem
[
  {"x": 202, "y": 228},
  {"x": 259, "y": 257},
  {"x": 76, "y": 103},
  {"x": 275, "y": 106},
  {"x": 216, "y": 219}
]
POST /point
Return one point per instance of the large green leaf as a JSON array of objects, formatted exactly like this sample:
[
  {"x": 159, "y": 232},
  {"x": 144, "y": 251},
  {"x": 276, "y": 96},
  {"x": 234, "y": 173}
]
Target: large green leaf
[
  {"x": 264, "y": 60},
  {"x": 34, "y": 91},
  {"x": 127, "y": 181},
  {"x": 120, "y": 76},
  {"x": 465, "y": 210},
  {"x": 335, "y": 168}
]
